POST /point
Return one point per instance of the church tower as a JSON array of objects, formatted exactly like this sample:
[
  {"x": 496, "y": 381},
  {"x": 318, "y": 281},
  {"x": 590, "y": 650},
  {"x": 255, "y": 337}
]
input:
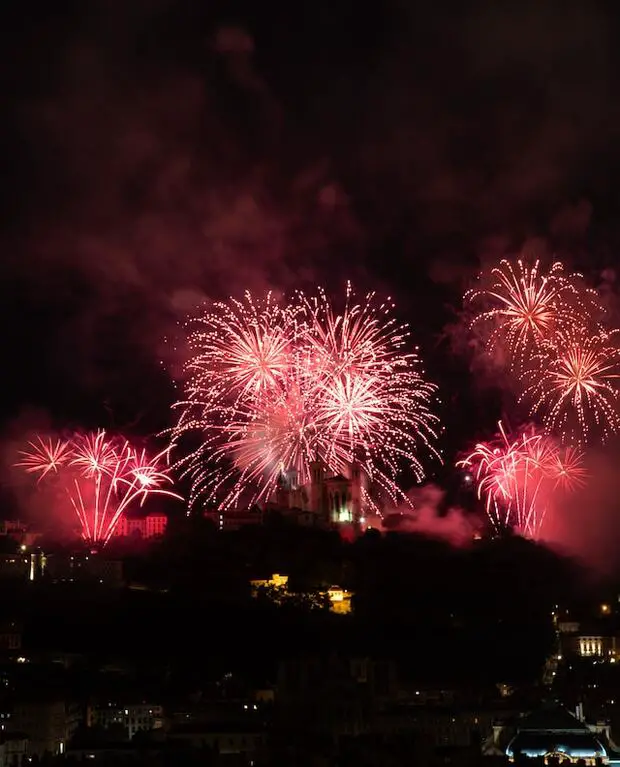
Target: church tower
[
  {"x": 356, "y": 491},
  {"x": 282, "y": 492},
  {"x": 317, "y": 479}
]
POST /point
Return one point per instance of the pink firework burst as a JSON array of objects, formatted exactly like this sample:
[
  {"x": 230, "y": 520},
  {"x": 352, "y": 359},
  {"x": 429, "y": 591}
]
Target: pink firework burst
[
  {"x": 519, "y": 477},
  {"x": 519, "y": 306},
  {"x": 573, "y": 385},
  {"x": 101, "y": 476},
  {"x": 343, "y": 389},
  {"x": 45, "y": 456}
]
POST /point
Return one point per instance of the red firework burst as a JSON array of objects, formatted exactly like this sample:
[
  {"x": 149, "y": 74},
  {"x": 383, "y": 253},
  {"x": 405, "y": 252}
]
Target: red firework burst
[{"x": 101, "y": 476}]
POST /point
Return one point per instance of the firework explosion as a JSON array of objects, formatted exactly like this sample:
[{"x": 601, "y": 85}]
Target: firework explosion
[
  {"x": 518, "y": 307},
  {"x": 518, "y": 477},
  {"x": 270, "y": 389},
  {"x": 101, "y": 476},
  {"x": 546, "y": 328},
  {"x": 573, "y": 385}
]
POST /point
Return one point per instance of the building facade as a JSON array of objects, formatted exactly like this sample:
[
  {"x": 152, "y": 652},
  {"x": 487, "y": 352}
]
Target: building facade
[
  {"x": 133, "y": 718},
  {"x": 147, "y": 527},
  {"x": 47, "y": 724},
  {"x": 333, "y": 498}
]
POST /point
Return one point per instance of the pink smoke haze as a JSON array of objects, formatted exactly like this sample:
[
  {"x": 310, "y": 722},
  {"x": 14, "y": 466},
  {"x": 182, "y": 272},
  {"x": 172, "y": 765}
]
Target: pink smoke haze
[{"x": 453, "y": 525}]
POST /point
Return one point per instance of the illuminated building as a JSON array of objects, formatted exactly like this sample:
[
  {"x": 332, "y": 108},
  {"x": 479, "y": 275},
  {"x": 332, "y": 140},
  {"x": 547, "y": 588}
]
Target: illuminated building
[
  {"x": 340, "y": 599},
  {"x": 147, "y": 527},
  {"x": 556, "y": 736},
  {"x": 324, "y": 501},
  {"x": 593, "y": 641},
  {"x": 596, "y": 646},
  {"x": 335, "y": 499},
  {"x": 276, "y": 581}
]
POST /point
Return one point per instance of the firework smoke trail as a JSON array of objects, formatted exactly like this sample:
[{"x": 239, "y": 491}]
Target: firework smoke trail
[
  {"x": 518, "y": 307},
  {"x": 101, "y": 476},
  {"x": 518, "y": 477},
  {"x": 338, "y": 387},
  {"x": 573, "y": 384}
]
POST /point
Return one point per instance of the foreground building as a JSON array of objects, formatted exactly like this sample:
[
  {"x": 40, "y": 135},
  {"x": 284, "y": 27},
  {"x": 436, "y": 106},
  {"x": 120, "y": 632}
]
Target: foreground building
[{"x": 557, "y": 736}]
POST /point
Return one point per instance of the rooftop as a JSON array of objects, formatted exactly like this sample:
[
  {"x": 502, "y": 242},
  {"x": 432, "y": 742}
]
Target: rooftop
[{"x": 552, "y": 729}]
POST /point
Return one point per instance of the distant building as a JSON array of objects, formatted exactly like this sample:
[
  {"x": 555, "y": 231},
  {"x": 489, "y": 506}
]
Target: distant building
[
  {"x": 276, "y": 581},
  {"x": 440, "y": 725},
  {"x": 15, "y": 566},
  {"x": 234, "y": 520},
  {"x": 93, "y": 568},
  {"x": 226, "y": 738},
  {"x": 340, "y": 599},
  {"x": 49, "y": 724},
  {"x": 147, "y": 527},
  {"x": 135, "y": 717},
  {"x": 10, "y": 636},
  {"x": 595, "y": 640},
  {"x": 14, "y": 751},
  {"x": 18, "y": 531},
  {"x": 333, "y": 695}
]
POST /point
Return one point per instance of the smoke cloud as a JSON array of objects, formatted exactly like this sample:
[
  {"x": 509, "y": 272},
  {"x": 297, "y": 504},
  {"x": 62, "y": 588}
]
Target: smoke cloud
[
  {"x": 42, "y": 504},
  {"x": 430, "y": 518},
  {"x": 587, "y": 523}
]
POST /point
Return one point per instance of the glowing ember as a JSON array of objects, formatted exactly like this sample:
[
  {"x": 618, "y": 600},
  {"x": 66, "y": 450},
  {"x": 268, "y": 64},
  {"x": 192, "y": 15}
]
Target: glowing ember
[
  {"x": 270, "y": 389},
  {"x": 101, "y": 476}
]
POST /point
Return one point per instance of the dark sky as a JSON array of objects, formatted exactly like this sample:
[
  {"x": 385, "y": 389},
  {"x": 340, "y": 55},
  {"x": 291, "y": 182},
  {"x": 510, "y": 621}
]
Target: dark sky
[{"x": 155, "y": 152}]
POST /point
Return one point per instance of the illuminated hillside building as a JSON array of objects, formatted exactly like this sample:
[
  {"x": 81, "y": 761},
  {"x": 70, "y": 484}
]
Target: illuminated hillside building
[
  {"x": 335, "y": 499},
  {"x": 339, "y": 598}
]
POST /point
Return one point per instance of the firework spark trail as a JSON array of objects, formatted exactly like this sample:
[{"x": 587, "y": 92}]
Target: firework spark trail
[
  {"x": 517, "y": 477},
  {"x": 573, "y": 384},
  {"x": 522, "y": 306},
  {"x": 101, "y": 476},
  {"x": 339, "y": 387},
  {"x": 44, "y": 456}
]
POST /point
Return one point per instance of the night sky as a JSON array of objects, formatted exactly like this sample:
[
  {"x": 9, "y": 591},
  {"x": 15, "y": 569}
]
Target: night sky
[{"x": 156, "y": 153}]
